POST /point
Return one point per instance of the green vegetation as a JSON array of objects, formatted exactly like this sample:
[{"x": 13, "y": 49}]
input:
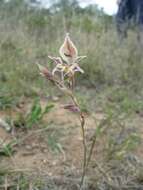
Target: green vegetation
[
  {"x": 36, "y": 113},
  {"x": 110, "y": 91}
]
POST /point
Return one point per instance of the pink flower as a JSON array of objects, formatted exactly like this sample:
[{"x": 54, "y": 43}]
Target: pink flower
[
  {"x": 68, "y": 50},
  {"x": 67, "y": 64}
]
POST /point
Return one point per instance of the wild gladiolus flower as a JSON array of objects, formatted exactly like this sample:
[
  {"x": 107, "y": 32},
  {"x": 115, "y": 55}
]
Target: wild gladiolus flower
[
  {"x": 67, "y": 65},
  {"x": 68, "y": 51}
]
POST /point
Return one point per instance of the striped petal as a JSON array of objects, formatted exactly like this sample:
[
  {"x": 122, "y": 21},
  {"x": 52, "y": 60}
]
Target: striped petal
[{"x": 68, "y": 50}]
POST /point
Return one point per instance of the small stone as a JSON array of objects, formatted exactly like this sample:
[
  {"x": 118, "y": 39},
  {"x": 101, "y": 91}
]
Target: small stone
[
  {"x": 54, "y": 163},
  {"x": 45, "y": 161},
  {"x": 50, "y": 174},
  {"x": 55, "y": 98},
  {"x": 28, "y": 147},
  {"x": 5, "y": 125}
]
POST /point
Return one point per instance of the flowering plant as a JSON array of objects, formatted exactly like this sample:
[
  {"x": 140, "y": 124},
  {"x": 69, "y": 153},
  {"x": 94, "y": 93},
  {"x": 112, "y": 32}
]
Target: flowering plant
[{"x": 63, "y": 76}]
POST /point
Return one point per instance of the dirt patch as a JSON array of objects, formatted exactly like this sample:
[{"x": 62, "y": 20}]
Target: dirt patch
[
  {"x": 55, "y": 150},
  {"x": 35, "y": 152},
  {"x": 4, "y": 135}
]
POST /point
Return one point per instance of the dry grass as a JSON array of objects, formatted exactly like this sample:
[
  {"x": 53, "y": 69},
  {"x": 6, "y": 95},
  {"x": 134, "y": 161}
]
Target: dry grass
[{"x": 48, "y": 155}]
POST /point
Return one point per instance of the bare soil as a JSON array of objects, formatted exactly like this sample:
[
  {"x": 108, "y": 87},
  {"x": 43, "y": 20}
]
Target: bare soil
[{"x": 35, "y": 153}]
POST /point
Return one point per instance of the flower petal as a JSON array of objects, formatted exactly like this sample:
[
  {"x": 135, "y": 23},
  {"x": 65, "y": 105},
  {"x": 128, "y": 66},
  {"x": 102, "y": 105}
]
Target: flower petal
[
  {"x": 79, "y": 58},
  {"x": 56, "y": 60},
  {"x": 68, "y": 50},
  {"x": 77, "y": 68}
]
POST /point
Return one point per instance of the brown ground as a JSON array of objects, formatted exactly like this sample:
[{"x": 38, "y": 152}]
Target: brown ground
[{"x": 33, "y": 152}]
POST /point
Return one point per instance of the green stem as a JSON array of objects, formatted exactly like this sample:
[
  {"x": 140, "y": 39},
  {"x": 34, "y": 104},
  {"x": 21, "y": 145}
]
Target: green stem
[
  {"x": 91, "y": 150},
  {"x": 82, "y": 121},
  {"x": 85, "y": 150}
]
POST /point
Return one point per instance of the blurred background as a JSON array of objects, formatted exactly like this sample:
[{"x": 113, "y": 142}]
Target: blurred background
[{"x": 35, "y": 152}]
